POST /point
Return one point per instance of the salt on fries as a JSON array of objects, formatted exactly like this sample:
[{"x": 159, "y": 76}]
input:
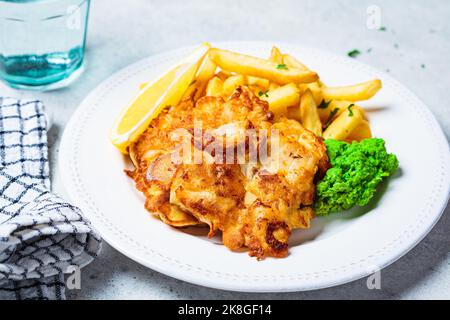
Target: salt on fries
[{"x": 290, "y": 88}]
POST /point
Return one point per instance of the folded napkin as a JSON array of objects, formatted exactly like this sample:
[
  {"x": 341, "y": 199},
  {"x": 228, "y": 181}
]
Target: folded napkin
[{"x": 41, "y": 235}]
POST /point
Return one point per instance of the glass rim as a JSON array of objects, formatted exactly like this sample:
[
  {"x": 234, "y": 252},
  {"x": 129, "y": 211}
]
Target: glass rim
[{"x": 36, "y": 2}]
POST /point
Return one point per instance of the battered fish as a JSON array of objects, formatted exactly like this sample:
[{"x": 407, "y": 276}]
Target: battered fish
[{"x": 254, "y": 202}]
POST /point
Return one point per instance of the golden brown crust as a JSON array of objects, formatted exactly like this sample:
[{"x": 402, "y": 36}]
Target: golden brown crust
[{"x": 256, "y": 205}]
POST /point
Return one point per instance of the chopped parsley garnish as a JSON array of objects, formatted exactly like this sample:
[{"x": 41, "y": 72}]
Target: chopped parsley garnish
[
  {"x": 354, "y": 53},
  {"x": 282, "y": 66},
  {"x": 331, "y": 116},
  {"x": 350, "y": 111},
  {"x": 324, "y": 104},
  {"x": 382, "y": 29},
  {"x": 263, "y": 93}
]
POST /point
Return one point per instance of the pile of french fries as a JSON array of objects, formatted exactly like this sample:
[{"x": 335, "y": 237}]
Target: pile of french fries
[{"x": 291, "y": 89}]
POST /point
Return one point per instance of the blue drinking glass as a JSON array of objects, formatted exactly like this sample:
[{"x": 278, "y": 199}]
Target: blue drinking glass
[{"x": 42, "y": 42}]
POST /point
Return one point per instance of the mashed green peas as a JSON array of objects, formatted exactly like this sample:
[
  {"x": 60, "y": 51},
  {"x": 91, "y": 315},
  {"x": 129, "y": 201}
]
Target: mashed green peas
[{"x": 356, "y": 171}]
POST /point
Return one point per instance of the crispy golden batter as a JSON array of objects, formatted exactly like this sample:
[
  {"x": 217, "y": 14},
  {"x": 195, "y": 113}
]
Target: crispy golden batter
[{"x": 255, "y": 204}]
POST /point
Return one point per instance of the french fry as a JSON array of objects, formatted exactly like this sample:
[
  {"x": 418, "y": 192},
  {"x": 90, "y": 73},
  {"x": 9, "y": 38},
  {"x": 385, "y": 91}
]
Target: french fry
[
  {"x": 315, "y": 89},
  {"x": 293, "y": 112},
  {"x": 249, "y": 80},
  {"x": 276, "y": 56},
  {"x": 214, "y": 87},
  {"x": 343, "y": 125},
  {"x": 361, "y": 132},
  {"x": 190, "y": 90},
  {"x": 223, "y": 75},
  {"x": 201, "y": 90},
  {"x": 273, "y": 86},
  {"x": 255, "y": 81},
  {"x": 281, "y": 98},
  {"x": 257, "y": 67},
  {"x": 257, "y": 91},
  {"x": 335, "y": 107},
  {"x": 232, "y": 83},
  {"x": 357, "y": 92},
  {"x": 292, "y": 62},
  {"x": 204, "y": 74},
  {"x": 206, "y": 70},
  {"x": 308, "y": 113},
  {"x": 324, "y": 113}
]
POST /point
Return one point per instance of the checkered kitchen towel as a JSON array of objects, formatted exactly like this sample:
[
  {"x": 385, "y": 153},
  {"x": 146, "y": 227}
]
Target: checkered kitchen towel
[{"x": 41, "y": 235}]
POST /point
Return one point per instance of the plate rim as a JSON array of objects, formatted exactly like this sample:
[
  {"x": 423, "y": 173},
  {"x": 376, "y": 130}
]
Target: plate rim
[{"x": 64, "y": 154}]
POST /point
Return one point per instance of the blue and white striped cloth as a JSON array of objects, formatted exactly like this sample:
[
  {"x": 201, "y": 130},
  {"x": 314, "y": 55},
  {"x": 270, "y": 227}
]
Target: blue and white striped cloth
[{"x": 41, "y": 235}]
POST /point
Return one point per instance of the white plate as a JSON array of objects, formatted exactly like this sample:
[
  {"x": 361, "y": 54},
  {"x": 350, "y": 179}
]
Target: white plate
[{"x": 338, "y": 249}]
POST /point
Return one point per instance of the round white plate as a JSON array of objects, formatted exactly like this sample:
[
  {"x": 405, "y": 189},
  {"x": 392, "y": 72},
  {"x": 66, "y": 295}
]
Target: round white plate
[{"x": 337, "y": 249}]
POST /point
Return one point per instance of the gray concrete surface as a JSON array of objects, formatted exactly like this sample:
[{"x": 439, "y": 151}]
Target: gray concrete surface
[{"x": 415, "y": 49}]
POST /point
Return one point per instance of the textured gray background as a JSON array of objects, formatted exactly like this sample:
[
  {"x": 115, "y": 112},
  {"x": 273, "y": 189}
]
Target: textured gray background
[{"x": 122, "y": 32}]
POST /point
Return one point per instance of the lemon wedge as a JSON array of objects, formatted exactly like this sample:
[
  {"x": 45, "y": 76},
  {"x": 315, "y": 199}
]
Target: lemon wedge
[{"x": 166, "y": 90}]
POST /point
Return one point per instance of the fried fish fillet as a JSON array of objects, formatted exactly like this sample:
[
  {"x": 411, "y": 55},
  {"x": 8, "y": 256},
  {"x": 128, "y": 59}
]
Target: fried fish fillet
[{"x": 255, "y": 203}]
